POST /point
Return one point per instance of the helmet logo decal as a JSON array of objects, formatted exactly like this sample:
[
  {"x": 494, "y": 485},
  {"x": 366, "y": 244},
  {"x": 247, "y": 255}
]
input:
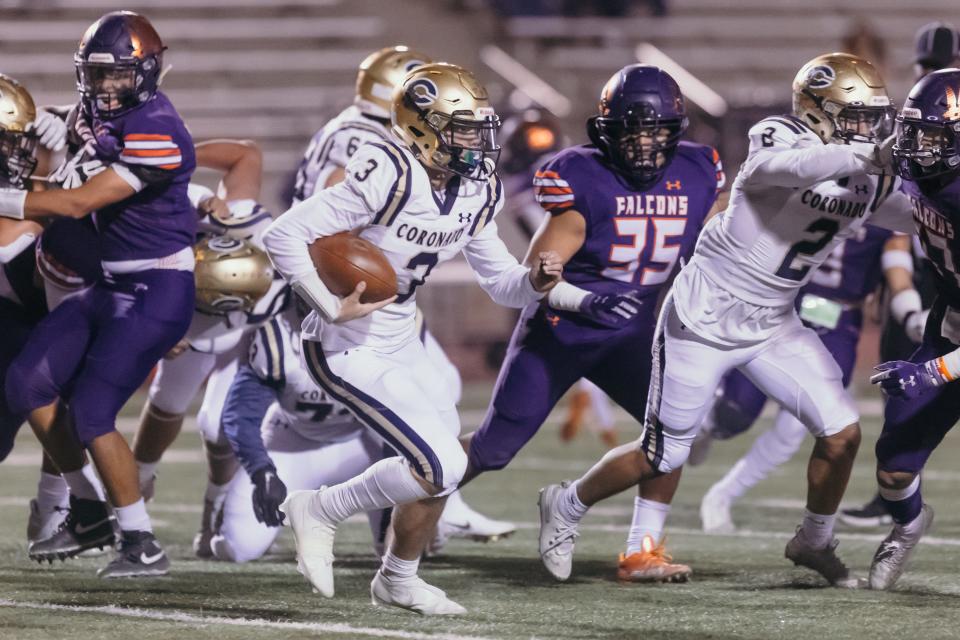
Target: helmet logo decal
[
  {"x": 224, "y": 244},
  {"x": 821, "y": 76},
  {"x": 413, "y": 64},
  {"x": 424, "y": 92},
  {"x": 953, "y": 105}
]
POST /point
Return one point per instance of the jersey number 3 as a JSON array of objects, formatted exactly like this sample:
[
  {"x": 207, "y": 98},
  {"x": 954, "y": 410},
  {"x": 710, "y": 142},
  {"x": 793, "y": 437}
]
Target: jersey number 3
[{"x": 626, "y": 257}]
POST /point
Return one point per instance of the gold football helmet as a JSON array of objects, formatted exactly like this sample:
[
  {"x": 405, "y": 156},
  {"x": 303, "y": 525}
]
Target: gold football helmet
[
  {"x": 443, "y": 114},
  {"x": 379, "y": 73},
  {"x": 230, "y": 274},
  {"x": 843, "y": 99},
  {"x": 17, "y": 144}
]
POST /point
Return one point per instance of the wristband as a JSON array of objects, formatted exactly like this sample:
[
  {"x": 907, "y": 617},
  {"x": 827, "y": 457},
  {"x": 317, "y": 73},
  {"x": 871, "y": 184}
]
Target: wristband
[
  {"x": 904, "y": 303},
  {"x": 11, "y": 203},
  {"x": 566, "y": 297},
  {"x": 896, "y": 258}
]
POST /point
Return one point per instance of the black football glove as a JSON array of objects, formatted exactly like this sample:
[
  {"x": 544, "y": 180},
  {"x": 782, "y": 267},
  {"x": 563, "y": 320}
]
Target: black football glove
[
  {"x": 268, "y": 494},
  {"x": 612, "y": 311}
]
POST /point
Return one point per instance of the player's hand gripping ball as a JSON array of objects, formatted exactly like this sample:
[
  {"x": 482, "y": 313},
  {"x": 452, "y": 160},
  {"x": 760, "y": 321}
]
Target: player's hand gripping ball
[{"x": 344, "y": 260}]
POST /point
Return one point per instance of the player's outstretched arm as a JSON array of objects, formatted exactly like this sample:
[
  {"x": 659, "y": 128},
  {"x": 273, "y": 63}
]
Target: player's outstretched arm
[
  {"x": 105, "y": 188},
  {"x": 911, "y": 380},
  {"x": 241, "y": 163}
]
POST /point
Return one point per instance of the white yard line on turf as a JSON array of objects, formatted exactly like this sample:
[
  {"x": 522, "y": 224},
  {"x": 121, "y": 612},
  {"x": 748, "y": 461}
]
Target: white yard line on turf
[{"x": 191, "y": 619}]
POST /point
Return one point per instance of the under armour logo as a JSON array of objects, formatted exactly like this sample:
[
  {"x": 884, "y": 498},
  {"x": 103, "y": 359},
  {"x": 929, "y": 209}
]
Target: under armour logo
[
  {"x": 673, "y": 185},
  {"x": 465, "y": 217},
  {"x": 858, "y": 188},
  {"x": 908, "y": 382}
]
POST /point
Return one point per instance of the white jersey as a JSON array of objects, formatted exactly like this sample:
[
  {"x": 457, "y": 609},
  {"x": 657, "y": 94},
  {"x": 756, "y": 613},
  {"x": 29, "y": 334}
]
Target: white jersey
[
  {"x": 388, "y": 197},
  {"x": 793, "y": 202},
  {"x": 332, "y": 147},
  {"x": 301, "y": 405}
]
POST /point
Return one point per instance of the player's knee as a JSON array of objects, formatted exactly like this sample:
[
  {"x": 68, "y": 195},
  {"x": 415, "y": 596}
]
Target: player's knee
[
  {"x": 27, "y": 387},
  {"x": 894, "y": 479},
  {"x": 90, "y": 420},
  {"x": 842, "y": 444},
  {"x": 208, "y": 423}
]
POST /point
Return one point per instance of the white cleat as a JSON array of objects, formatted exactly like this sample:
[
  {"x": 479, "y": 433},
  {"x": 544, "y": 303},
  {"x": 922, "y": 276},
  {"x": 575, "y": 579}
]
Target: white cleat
[
  {"x": 715, "y": 512},
  {"x": 824, "y": 561},
  {"x": 314, "y": 538},
  {"x": 894, "y": 552},
  {"x": 476, "y": 527},
  {"x": 557, "y": 536},
  {"x": 41, "y": 526},
  {"x": 412, "y": 594}
]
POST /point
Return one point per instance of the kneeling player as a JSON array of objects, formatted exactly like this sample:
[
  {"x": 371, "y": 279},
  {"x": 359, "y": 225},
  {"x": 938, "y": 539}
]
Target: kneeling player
[
  {"x": 623, "y": 211},
  {"x": 921, "y": 409},
  {"x": 289, "y": 435}
]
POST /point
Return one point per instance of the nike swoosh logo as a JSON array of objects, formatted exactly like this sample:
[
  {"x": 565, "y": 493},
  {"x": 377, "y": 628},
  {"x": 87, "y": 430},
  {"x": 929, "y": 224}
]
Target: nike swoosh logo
[
  {"x": 461, "y": 527},
  {"x": 145, "y": 559},
  {"x": 82, "y": 529}
]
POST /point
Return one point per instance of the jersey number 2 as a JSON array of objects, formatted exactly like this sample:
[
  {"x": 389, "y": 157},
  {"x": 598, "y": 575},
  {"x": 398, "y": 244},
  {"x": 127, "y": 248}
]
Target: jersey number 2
[
  {"x": 628, "y": 255},
  {"x": 827, "y": 228}
]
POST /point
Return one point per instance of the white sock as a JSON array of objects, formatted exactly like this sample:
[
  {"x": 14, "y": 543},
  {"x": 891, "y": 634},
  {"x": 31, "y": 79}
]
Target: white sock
[
  {"x": 913, "y": 527},
  {"x": 133, "y": 517},
  {"x": 455, "y": 508},
  {"x": 52, "y": 491},
  {"x": 85, "y": 484},
  {"x": 772, "y": 448},
  {"x": 649, "y": 518},
  {"x": 216, "y": 492},
  {"x": 569, "y": 505},
  {"x": 386, "y": 483},
  {"x": 146, "y": 471},
  {"x": 817, "y": 528},
  {"x": 395, "y": 567}
]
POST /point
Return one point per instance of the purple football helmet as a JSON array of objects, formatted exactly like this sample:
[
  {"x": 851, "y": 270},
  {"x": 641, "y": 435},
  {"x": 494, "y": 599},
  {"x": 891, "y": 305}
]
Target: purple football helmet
[{"x": 928, "y": 130}]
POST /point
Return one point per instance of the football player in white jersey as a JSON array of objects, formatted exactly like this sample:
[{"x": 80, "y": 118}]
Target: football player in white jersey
[
  {"x": 810, "y": 181},
  {"x": 289, "y": 435},
  {"x": 422, "y": 197},
  {"x": 231, "y": 303},
  {"x": 323, "y": 165}
]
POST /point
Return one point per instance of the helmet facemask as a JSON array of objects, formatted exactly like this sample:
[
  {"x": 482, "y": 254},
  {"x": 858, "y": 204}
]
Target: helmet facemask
[
  {"x": 466, "y": 146},
  {"x": 856, "y": 122},
  {"x": 17, "y": 156},
  {"x": 110, "y": 89},
  {"x": 926, "y": 150},
  {"x": 640, "y": 144}
]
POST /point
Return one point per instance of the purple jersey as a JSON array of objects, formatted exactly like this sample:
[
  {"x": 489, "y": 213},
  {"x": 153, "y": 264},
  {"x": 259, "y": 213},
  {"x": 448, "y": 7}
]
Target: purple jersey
[
  {"x": 852, "y": 271},
  {"x": 937, "y": 218},
  {"x": 150, "y": 146},
  {"x": 633, "y": 238}
]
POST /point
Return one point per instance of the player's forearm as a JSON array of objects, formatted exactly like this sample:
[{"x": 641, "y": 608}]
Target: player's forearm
[
  {"x": 246, "y": 403},
  {"x": 810, "y": 165},
  {"x": 511, "y": 287}
]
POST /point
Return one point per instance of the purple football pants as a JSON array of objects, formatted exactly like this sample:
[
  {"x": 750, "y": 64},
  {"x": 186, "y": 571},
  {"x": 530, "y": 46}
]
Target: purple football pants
[
  {"x": 15, "y": 326},
  {"x": 741, "y": 402},
  {"x": 97, "y": 348},
  {"x": 540, "y": 368}
]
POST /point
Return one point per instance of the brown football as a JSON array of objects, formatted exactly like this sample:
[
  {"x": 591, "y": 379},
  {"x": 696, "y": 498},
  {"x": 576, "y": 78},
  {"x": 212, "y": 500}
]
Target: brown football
[{"x": 343, "y": 260}]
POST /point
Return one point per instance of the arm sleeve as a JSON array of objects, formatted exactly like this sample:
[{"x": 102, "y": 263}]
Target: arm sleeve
[
  {"x": 779, "y": 157},
  {"x": 150, "y": 153},
  {"x": 554, "y": 188},
  {"x": 504, "y": 279},
  {"x": 246, "y": 403},
  {"x": 349, "y": 205}
]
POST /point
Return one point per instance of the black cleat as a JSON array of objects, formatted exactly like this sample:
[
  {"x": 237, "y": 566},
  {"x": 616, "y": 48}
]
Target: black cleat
[
  {"x": 88, "y": 525},
  {"x": 872, "y": 514},
  {"x": 140, "y": 555}
]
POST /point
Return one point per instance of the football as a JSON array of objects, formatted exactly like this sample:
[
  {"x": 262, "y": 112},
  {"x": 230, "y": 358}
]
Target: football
[{"x": 343, "y": 260}]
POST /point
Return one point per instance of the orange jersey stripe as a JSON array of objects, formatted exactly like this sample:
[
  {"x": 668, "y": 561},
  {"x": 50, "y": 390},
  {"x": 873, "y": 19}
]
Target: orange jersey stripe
[
  {"x": 169, "y": 166},
  {"x": 547, "y": 174},
  {"x": 147, "y": 136},
  {"x": 555, "y": 191},
  {"x": 556, "y": 205},
  {"x": 151, "y": 153}
]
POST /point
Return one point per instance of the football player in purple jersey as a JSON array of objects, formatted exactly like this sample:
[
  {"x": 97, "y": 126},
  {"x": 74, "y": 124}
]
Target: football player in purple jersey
[
  {"x": 95, "y": 349},
  {"x": 832, "y": 305},
  {"x": 622, "y": 212},
  {"x": 921, "y": 407}
]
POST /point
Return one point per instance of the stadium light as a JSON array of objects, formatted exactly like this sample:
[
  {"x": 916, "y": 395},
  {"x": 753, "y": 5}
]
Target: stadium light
[
  {"x": 526, "y": 81},
  {"x": 692, "y": 87}
]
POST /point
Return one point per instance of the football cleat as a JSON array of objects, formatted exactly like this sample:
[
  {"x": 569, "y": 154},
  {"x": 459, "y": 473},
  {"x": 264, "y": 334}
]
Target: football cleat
[
  {"x": 139, "y": 556},
  {"x": 824, "y": 561},
  {"x": 314, "y": 539},
  {"x": 41, "y": 526},
  {"x": 894, "y": 552},
  {"x": 557, "y": 536},
  {"x": 576, "y": 414},
  {"x": 872, "y": 514},
  {"x": 210, "y": 523},
  {"x": 465, "y": 522},
  {"x": 651, "y": 564},
  {"x": 715, "y": 512},
  {"x": 88, "y": 524},
  {"x": 412, "y": 594}
]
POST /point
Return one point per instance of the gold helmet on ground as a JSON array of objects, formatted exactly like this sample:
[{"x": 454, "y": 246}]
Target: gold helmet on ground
[
  {"x": 231, "y": 274},
  {"x": 17, "y": 144},
  {"x": 843, "y": 99},
  {"x": 379, "y": 73},
  {"x": 443, "y": 114}
]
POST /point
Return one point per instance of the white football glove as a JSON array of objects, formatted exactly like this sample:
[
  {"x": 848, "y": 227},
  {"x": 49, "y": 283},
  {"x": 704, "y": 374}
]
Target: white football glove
[
  {"x": 880, "y": 158},
  {"x": 51, "y": 130},
  {"x": 77, "y": 170}
]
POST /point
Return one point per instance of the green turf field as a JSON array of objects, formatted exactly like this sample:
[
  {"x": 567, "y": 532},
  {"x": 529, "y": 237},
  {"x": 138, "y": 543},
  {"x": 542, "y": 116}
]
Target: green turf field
[{"x": 742, "y": 586}]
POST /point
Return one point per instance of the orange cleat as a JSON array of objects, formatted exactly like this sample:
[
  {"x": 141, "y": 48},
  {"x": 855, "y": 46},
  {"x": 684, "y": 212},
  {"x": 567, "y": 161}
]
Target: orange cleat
[
  {"x": 579, "y": 403},
  {"x": 652, "y": 564}
]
